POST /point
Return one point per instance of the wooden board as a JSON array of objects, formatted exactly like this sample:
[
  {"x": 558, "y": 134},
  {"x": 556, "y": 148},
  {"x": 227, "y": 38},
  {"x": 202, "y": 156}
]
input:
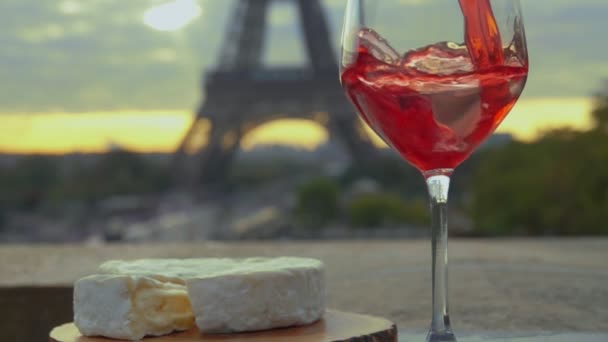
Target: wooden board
[{"x": 336, "y": 326}]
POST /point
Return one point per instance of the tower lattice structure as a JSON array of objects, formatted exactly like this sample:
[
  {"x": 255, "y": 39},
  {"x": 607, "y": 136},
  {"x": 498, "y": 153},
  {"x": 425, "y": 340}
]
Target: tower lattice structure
[{"x": 242, "y": 94}]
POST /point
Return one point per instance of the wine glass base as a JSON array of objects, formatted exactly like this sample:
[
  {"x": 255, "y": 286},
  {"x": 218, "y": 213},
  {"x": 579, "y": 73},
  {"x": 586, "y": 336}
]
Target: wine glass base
[{"x": 445, "y": 336}]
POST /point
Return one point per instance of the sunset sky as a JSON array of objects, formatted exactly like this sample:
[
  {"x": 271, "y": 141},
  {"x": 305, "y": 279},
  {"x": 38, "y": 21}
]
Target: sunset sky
[{"x": 85, "y": 75}]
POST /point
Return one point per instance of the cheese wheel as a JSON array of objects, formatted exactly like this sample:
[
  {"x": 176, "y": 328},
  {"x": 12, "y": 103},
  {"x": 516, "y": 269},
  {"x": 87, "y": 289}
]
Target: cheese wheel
[{"x": 238, "y": 295}]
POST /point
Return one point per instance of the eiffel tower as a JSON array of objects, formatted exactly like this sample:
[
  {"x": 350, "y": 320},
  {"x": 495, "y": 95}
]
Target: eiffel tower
[{"x": 241, "y": 94}]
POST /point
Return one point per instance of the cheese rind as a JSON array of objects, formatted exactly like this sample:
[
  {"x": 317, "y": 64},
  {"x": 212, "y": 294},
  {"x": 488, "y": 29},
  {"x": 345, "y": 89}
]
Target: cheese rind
[
  {"x": 130, "y": 307},
  {"x": 237, "y": 295}
]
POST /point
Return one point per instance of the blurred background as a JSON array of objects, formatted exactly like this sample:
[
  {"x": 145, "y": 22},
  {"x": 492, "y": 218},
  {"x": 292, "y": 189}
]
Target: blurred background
[{"x": 98, "y": 114}]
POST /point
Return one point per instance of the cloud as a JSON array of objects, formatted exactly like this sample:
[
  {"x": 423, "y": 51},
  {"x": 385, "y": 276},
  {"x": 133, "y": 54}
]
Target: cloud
[
  {"x": 282, "y": 14},
  {"x": 173, "y": 15},
  {"x": 101, "y": 58},
  {"x": 412, "y": 2},
  {"x": 99, "y": 55},
  {"x": 70, "y": 7}
]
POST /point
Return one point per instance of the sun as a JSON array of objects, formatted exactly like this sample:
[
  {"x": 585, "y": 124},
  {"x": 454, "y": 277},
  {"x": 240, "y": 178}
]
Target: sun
[{"x": 172, "y": 16}]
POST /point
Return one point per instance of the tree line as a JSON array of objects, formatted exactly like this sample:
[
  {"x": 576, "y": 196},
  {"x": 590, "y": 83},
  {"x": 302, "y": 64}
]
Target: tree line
[{"x": 557, "y": 185}]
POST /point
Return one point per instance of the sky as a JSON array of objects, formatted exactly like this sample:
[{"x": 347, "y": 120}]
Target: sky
[{"x": 83, "y": 75}]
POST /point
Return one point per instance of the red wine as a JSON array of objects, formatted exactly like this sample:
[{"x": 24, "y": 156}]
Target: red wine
[
  {"x": 482, "y": 33},
  {"x": 436, "y": 104}
]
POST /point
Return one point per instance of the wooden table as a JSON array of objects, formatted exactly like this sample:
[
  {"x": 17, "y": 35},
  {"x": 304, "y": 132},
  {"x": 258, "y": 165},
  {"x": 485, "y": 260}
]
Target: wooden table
[{"x": 336, "y": 326}]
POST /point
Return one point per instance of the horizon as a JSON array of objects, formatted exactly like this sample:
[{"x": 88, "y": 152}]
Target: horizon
[{"x": 162, "y": 131}]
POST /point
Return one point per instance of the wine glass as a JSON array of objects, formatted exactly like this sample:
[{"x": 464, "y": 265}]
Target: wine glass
[{"x": 434, "y": 79}]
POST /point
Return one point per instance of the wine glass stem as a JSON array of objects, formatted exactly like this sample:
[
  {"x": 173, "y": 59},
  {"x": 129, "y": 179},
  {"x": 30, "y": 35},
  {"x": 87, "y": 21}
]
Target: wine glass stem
[{"x": 438, "y": 186}]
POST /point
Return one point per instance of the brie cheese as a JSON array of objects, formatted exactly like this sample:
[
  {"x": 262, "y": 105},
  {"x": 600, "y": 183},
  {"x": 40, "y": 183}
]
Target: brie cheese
[
  {"x": 236, "y": 295},
  {"x": 130, "y": 307}
]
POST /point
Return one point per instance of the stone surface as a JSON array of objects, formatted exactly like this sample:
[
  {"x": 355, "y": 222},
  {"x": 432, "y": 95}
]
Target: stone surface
[
  {"x": 515, "y": 337},
  {"x": 495, "y": 285}
]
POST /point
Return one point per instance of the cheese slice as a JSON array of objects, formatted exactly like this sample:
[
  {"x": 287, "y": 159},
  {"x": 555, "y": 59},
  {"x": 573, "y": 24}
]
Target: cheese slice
[
  {"x": 130, "y": 307},
  {"x": 237, "y": 295}
]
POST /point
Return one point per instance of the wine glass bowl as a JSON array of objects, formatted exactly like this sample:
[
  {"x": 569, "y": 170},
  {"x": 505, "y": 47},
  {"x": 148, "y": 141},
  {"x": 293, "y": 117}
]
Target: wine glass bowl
[
  {"x": 434, "y": 81},
  {"x": 435, "y": 103}
]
